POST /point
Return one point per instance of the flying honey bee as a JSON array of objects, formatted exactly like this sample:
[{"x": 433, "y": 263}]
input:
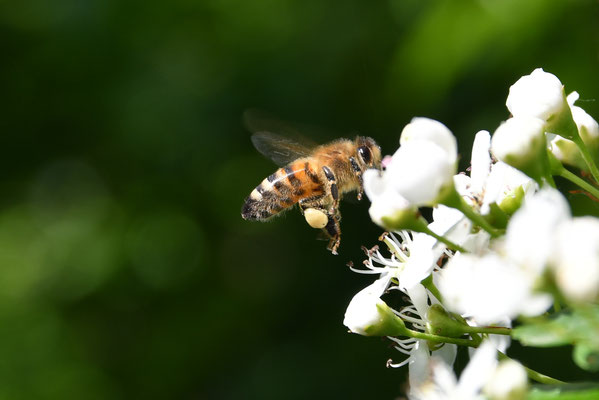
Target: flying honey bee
[{"x": 315, "y": 177}]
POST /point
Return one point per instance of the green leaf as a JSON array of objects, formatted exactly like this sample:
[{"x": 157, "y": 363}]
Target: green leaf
[
  {"x": 577, "y": 327},
  {"x": 544, "y": 333}
]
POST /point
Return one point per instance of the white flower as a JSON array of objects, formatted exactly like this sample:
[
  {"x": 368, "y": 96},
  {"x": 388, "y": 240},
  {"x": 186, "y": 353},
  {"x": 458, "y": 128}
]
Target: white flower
[
  {"x": 539, "y": 95},
  {"x": 442, "y": 383},
  {"x": 422, "y": 166},
  {"x": 508, "y": 382},
  {"x": 576, "y": 259},
  {"x": 489, "y": 182},
  {"x": 566, "y": 150},
  {"x": 433, "y": 131},
  {"x": 422, "y": 170},
  {"x": 505, "y": 180},
  {"x": 588, "y": 128},
  {"x": 529, "y": 237},
  {"x": 368, "y": 315},
  {"x": 413, "y": 256},
  {"x": 416, "y": 174},
  {"x": 420, "y": 365},
  {"x": 520, "y": 141},
  {"x": 489, "y": 289},
  {"x": 480, "y": 161},
  {"x": 411, "y": 260},
  {"x": 384, "y": 197},
  {"x": 453, "y": 225}
]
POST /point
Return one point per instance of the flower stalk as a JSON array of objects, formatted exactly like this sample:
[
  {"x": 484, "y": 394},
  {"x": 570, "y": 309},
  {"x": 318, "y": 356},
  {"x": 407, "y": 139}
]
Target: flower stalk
[{"x": 587, "y": 157}]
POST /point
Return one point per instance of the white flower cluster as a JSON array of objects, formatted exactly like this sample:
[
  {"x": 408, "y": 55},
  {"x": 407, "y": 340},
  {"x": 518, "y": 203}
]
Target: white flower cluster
[{"x": 501, "y": 241}]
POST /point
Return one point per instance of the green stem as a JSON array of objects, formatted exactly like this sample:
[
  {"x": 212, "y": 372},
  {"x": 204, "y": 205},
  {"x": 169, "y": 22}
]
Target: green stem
[
  {"x": 494, "y": 330},
  {"x": 557, "y": 306},
  {"x": 587, "y": 157},
  {"x": 550, "y": 181},
  {"x": 440, "y": 339},
  {"x": 564, "y": 173},
  {"x": 534, "y": 375},
  {"x": 429, "y": 284},
  {"x": 451, "y": 245}
]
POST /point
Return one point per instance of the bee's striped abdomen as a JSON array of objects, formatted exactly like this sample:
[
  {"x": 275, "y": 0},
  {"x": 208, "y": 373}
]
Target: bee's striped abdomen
[{"x": 281, "y": 190}]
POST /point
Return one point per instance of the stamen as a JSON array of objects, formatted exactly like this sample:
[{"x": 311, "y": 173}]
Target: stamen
[
  {"x": 401, "y": 364},
  {"x": 370, "y": 271},
  {"x": 407, "y": 344}
]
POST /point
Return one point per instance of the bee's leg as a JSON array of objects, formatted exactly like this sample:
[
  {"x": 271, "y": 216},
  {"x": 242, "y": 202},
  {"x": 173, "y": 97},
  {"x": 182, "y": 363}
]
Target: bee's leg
[
  {"x": 332, "y": 188},
  {"x": 311, "y": 202},
  {"x": 334, "y": 231},
  {"x": 358, "y": 173}
]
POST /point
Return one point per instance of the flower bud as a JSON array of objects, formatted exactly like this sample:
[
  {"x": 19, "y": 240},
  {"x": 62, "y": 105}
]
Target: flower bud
[
  {"x": 427, "y": 171},
  {"x": 508, "y": 382},
  {"x": 520, "y": 142},
  {"x": 433, "y": 131},
  {"x": 539, "y": 95},
  {"x": 386, "y": 202},
  {"x": 588, "y": 128},
  {"x": 368, "y": 315}
]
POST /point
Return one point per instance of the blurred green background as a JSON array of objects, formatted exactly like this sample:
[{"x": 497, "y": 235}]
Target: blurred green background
[{"x": 126, "y": 270}]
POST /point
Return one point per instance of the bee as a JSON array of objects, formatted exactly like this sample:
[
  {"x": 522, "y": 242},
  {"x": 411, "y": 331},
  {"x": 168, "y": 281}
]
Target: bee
[{"x": 314, "y": 177}]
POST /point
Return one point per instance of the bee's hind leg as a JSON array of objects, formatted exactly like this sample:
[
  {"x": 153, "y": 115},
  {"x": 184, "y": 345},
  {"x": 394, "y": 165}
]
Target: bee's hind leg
[
  {"x": 319, "y": 216},
  {"x": 311, "y": 202}
]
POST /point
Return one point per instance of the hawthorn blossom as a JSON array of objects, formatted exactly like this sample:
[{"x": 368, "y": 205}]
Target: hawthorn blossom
[
  {"x": 385, "y": 200},
  {"x": 529, "y": 238},
  {"x": 429, "y": 130},
  {"x": 477, "y": 287},
  {"x": 575, "y": 259},
  {"x": 508, "y": 382},
  {"x": 565, "y": 150},
  {"x": 428, "y": 153},
  {"x": 520, "y": 142},
  {"x": 437, "y": 380},
  {"x": 517, "y": 247},
  {"x": 538, "y": 95},
  {"x": 420, "y": 161}
]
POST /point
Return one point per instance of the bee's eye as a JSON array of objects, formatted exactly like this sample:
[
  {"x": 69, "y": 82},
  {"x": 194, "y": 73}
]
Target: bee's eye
[{"x": 365, "y": 154}]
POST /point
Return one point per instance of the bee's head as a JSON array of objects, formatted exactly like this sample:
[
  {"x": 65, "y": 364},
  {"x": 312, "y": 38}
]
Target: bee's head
[{"x": 369, "y": 153}]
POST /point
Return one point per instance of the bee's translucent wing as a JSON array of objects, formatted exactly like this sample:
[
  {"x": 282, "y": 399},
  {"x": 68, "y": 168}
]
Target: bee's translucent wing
[{"x": 282, "y": 147}]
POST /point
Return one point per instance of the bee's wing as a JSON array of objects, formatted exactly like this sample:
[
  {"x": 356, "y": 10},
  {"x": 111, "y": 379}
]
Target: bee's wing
[{"x": 281, "y": 148}]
